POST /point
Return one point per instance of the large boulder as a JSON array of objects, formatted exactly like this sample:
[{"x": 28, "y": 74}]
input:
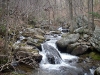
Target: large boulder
[
  {"x": 52, "y": 54},
  {"x": 27, "y": 54},
  {"x": 25, "y": 49},
  {"x": 78, "y": 48},
  {"x": 71, "y": 47},
  {"x": 67, "y": 39},
  {"x": 95, "y": 39},
  {"x": 81, "y": 49},
  {"x": 97, "y": 71},
  {"x": 31, "y": 32},
  {"x": 35, "y": 42}
]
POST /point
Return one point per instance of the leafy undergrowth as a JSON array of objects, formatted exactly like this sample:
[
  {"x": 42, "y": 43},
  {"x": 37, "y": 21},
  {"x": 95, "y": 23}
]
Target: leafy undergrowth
[
  {"x": 12, "y": 73},
  {"x": 95, "y": 55}
]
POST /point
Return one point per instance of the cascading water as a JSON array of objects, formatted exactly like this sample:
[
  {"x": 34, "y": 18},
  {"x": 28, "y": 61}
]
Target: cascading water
[
  {"x": 52, "y": 58},
  {"x": 56, "y": 63}
]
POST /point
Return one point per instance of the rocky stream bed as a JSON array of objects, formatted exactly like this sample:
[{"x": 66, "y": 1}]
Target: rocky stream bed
[{"x": 44, "y": 52}]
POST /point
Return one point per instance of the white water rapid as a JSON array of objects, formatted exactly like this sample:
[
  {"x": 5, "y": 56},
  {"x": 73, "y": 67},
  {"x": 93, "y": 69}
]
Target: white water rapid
[
  {"x": 64, "y": 57},
  {"x": 56, "y": 63}
]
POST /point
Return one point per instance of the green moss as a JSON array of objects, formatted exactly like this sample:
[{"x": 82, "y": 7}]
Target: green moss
[
  {"x": 95, "y": 55},
  {"x": 3, "y": 60},
  {"x": 2, "y": 28},
  {"x": 32, "y": 21},
  {"x": 95, "y": 14},
  {"x": 40, "y": 41},
  {"x": 15, "y": 73}
]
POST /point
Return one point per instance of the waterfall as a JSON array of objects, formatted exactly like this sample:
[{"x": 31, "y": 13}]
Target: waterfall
[
  {"x": 52, "y": 57},
  {"x": 52, "y": 54}
]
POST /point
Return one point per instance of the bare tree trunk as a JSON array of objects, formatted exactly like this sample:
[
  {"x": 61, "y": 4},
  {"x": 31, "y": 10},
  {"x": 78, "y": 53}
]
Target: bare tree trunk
[
  {"x": 71, "y": 15},
  {"x": 54, "y": 13},
  {"x": 91, "y": 26},
  {"x": 6, "y": 34}
]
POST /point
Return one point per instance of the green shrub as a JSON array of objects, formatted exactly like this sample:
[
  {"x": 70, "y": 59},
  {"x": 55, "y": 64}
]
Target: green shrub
[
  {"x": 95, "y": 55},
  {"x": 2, "y": 28},
  {"x": 95, "y": 14},
  {"x": 32, "y": 21}
]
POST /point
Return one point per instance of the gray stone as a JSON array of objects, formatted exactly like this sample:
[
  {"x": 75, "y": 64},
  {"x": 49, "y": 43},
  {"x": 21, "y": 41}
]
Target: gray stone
[
  {"x": 68, "y": 39},
  {"x": 97, "y": 71},
  {"x": 29, "y": 32},
  {"x": 81, "y": 49},
  {"x": 71, "y": 47},
  {"x": 95, "y": 39},
  {"x": 85, "y": 36},
  {"x": 81, "y": 30}
]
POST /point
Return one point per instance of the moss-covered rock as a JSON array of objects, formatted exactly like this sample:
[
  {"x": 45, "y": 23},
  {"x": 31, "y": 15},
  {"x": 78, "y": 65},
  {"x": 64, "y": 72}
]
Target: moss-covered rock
[
  {"x": 35, "y": 42},
  {"x": 15, "y": 73},
  {"x": 95, "y": 55},
  {"x": 39, "y": 37},
  {"x": 66, "y": 40}
]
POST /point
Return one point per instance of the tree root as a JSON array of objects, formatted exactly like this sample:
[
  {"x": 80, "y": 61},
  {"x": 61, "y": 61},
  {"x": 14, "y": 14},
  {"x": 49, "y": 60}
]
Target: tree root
[{"x": 28, "y": 61}]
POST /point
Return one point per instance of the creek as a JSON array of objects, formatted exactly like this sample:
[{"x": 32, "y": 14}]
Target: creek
[{"x": 56, "y": 63}]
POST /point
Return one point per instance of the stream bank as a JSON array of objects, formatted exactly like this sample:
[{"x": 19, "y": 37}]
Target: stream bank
[{"x": 28, "y": 44}]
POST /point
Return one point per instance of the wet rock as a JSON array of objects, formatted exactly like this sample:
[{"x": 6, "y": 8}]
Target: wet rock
[
  {"x": 71, "y": 71},
  {"x": 15, "y": 46},
  {"x": 71, "y": 47},
  {"x": 50, "y": 58},
  {"x": 65, "y": 35},
  {"x": 37, "y": 58},
  {"x": 65, "y": 40},
  {"x": 52, "y": 53},
  {"x": 80, "y": 60},
  {"x": 97, "y": 71},
  {"x": 81, "y": 49}
]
